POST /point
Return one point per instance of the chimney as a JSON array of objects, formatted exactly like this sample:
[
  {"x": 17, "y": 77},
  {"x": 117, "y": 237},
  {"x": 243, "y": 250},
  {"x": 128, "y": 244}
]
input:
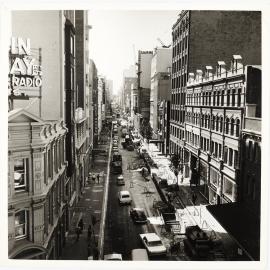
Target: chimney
[
  {"x": 237, "y": 63},
  {"x": 199, "y": 75},
  {"x": 208, "y": 72},
  {"x": 191, "y": 77},
  {"x": 221, "y": 68}
]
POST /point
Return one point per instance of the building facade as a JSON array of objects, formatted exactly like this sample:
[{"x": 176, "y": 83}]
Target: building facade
[
  {"x": 144, "y": 83},
  {"x": 56, "y": 67},
  {"x": 160, "y": 82},
  {"x": 215, "y": 109},
  {"x": 201, "y": 38},
  {"x": 36, "y": 187}
]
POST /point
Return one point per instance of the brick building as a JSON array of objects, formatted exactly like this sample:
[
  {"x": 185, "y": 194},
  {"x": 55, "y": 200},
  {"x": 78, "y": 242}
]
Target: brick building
[{"x": 201, "y": 38}]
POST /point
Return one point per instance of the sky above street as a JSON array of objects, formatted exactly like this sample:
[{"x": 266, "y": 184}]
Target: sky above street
[{"x": 114, "y": 32}]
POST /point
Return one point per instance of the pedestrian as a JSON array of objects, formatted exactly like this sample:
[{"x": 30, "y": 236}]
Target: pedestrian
[
  {"x": 98, "y": 178},
  {"x": 182, "y": 179},
  {"x": 81, "y": 224},
  {"x": 194, "y": 197},
  {"x": 77, "y": 233},
  {"x": 89, "y": 233},
  {"x": 93, "y": 178}
]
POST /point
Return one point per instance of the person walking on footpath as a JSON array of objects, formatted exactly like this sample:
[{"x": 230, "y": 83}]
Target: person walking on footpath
[
  {"x": 194, "y": 198},
  {"x": 81, "y": 224},
  {"x": 93, "y": 178},
  {"x": 89, "y": 233},
  {"x": 98, "y": 178},
  {"x": 77, "y": 234}
]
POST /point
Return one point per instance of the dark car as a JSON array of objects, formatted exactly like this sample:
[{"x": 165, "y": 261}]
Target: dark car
[{"x": 138, "y": 215}]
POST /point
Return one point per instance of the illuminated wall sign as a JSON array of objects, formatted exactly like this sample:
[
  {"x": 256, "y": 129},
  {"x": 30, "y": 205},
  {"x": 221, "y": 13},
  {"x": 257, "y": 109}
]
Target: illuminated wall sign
[{"x": 25, "y": 71}]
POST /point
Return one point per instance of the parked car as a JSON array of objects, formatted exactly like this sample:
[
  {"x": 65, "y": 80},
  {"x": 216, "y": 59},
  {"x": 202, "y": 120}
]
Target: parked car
[
  {"x": 139, "y": 254},
  {"x": 153, "y": 244},
  {"x": 138, "y": 215},
  {"x": 113, "y": 257},
  {"x": 130, "y": 147},
  {"x": 120, "y": 180},
  {"x": 124, "y": 197}
]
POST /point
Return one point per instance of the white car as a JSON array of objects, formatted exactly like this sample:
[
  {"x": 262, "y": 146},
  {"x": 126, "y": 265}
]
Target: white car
[
  {"x": 113, "y": 257},
  {"x": 124, "y": 197},
  {"x": 153, "y": 244}
]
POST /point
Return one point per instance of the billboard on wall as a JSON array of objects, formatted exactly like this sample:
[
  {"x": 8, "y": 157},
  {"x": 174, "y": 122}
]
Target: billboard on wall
[{"x": 25, "y": 72}]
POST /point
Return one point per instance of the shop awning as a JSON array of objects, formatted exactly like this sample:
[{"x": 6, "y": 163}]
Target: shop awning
[{"x": 241, "y": 224}]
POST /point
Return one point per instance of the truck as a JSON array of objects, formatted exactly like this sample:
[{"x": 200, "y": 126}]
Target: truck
[
  {"x": 197, "y": 243},
  {"x": 116, "y": 163}
]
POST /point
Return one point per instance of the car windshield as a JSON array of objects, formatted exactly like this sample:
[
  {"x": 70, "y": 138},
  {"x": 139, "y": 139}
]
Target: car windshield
[
  {"x": 155, "y": 243},
  {"x": 125, "y": 196},
  {"x": 140, "y": 214}
]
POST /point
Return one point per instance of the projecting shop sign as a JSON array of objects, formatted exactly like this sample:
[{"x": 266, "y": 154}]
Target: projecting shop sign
[{"x": 25, "y": 70}]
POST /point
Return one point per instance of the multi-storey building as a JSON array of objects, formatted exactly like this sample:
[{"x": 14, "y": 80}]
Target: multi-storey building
[
  {"x": 163, "y": 125},
  {"x": 82, "y": 139},
  {"x": 242, "y": 218},
  {"x": 101, "y": 102},
  {"x": 143, "y": 85},
  {"x": 36, "y": 186},
  {"x": 93, "y": 77},
  {"x": 129, "y": 79},
  {"x": 160, "y": 83},
  {"x": 56, "y": 67},
  {"x": 215, "y": 109},
  {"x": 201, "y": 38}
]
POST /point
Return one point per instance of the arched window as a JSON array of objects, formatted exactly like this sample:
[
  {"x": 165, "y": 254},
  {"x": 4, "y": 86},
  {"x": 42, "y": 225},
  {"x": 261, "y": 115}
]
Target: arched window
[
  {"x": 208, "y": 121},
  {"x": 237, "y": 133},
  {"x": 227, "y": 126},
  {"x": 232, "y": 126},
  {"x": 202, "y": 121},
  {"x": 217, "y": 123},
  {"x": 228, "y": 97},
  {"x": 221, "y": 124},
  {"x": 213, "y": 122},
  {"x": 218, "y": 94},
  {"x": 222, "y": 98}
]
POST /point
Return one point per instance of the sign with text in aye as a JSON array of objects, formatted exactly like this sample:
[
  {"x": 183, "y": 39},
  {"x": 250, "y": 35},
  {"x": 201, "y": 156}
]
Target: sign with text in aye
[{"x": 25, "y": 73}]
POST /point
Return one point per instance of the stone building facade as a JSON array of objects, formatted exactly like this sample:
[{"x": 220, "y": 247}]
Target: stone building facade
[
  {"x": 36, "y": 187},
  {"x": 215, "y": 108}
]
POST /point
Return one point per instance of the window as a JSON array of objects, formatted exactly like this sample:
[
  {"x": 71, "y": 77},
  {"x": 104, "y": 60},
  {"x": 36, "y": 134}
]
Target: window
[
  {"x": 214, "y": 177},
  {"x": 239, "y": 98},
  {"x": 228, "y": 98},
  {"x": 72, "y": 45},
  {"x": 221, "y": 124},
  {"x": 217, "y": 123},
  {"x": 227, "y": 187},
  {"x": 213, "y": 122},
  {"x": 237, "y": 130},
  {"x": 232, "y": 126},
  {"x": 235, "y": 162},
  {"x": 250, "y": 150},
  {"x": 230, "y": 163},
  {"x": 233, "y": 98},
  {"x": 225, "y": 154},
  {"x": 227, "y": 126},
  {"x": 21, "y": 224},
  {"x": 20, "y": 174},
  {"x": 222, "y": 98}
]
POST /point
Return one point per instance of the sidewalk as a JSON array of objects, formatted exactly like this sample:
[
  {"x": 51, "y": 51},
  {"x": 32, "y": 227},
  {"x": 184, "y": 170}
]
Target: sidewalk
[
  {"x": 188, "y": 214},
  {"x": 89, "y": 208}
]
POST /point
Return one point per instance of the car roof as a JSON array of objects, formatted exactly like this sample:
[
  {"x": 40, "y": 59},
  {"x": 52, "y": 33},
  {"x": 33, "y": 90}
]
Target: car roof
[
  {"x": 150, "y": 236},
  {"x": 138, "y": 209},
  {"x": 113, "y": 256},
  {"x": 123, "y": 192}
]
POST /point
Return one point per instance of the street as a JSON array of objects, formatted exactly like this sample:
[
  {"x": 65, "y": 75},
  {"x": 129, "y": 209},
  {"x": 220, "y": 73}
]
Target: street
[{"x": 121, "y": 233}]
